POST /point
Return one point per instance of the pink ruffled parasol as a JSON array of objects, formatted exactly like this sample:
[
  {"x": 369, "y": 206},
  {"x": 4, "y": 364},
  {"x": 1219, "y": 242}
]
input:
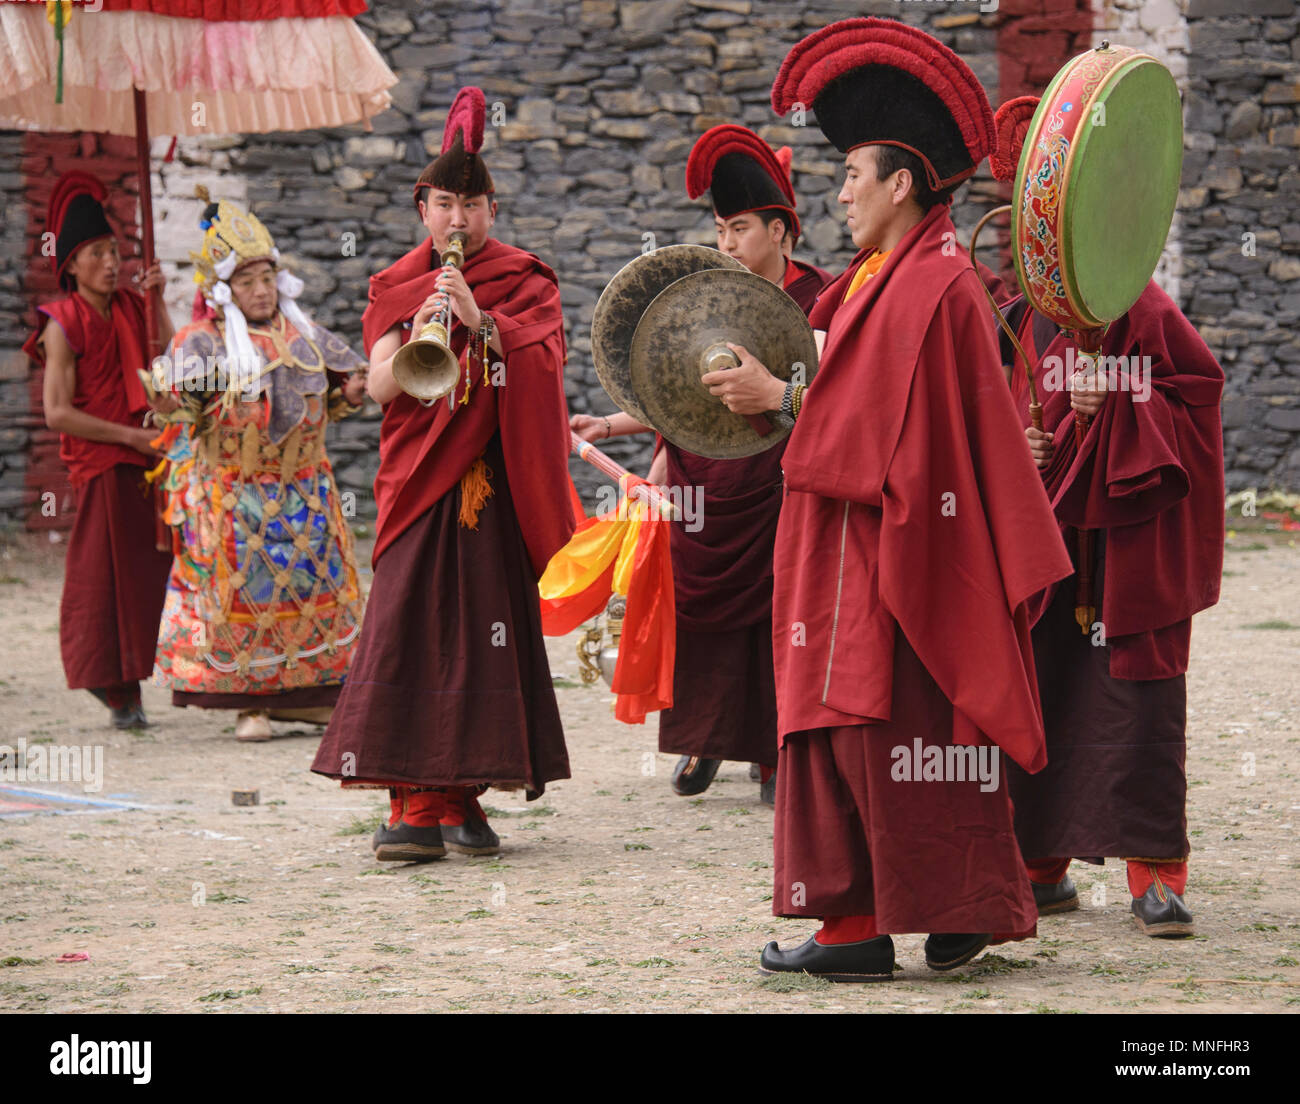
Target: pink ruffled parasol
[{"x": 187, "y": 67}]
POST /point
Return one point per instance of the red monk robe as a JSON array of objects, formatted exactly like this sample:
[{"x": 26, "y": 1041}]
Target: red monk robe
[
  {"x": 724, "y": 690},
  {"x": 913, "y": 532},
  {"x": 1148, "y": 481},
  {"x": 115, "y": 579},
  {"x": 450, "y": 685}
]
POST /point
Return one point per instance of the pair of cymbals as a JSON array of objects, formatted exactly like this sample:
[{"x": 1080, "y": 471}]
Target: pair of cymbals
[{"x": 666, "y": 318}]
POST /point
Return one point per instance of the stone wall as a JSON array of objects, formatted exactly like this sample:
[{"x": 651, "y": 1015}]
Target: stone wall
[
  {"x": 15, "y": 434},
  {"x": 600, "y": 101},
  {"x": 1240, "y": 234}
]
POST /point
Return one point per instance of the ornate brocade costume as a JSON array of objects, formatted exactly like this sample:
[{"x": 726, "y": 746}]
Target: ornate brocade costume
[{"x": 263, "y": 596}]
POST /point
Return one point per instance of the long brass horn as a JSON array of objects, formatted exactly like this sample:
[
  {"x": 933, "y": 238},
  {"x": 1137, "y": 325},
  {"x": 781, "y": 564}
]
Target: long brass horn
[{"x": 425, "y": 367}]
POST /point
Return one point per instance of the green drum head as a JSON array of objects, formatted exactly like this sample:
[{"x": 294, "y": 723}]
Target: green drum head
[{"x": 1122, "y": 189}]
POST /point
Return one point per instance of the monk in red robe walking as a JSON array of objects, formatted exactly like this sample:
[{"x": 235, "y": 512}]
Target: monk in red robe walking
[
  {"x": 92, "y": 343},
  {"x": 1146, "y": 485},
  {"x": 450, "y": 690},
  {"x": 724, "y": 690},
  {"x": 912, "y": 533}
]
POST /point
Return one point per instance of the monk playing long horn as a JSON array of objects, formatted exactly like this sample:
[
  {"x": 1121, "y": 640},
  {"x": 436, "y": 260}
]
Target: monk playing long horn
[
  {"x": 724, "y": 694},
  {"x": 451, "y": 691}
]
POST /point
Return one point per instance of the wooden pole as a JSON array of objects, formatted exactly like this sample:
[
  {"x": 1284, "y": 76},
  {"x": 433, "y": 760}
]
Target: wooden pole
[
  {"x": 146, "y": 214},
  {"x": 612, "y": 468}
]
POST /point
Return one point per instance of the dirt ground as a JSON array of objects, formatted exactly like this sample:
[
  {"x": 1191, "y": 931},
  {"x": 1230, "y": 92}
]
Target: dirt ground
[{"x": 612, "y": 893}]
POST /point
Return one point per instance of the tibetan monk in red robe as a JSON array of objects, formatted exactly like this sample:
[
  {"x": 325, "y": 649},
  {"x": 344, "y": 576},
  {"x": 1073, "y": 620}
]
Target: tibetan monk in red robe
[
  {"x": 450, "y": 690},
  {"x": 92, "y": 343},
  {"x": 1147, "y": 487},
  {"x": 912, "y": 534},
  {"x": 724, "y": 689}
]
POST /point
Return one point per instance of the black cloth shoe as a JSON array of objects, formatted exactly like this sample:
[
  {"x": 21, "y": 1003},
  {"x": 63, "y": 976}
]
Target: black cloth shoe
[
  {"x": 1058, "y": 897},
  {"x": 767, "y": 791},
  {"x": 1160, "y": 912},
  {"x": 405, "y": 843},
  {"x": 474, "y": 837},
  {"x": 131, "y": 716},
  {"x": 869, "y": 960},
  {"x": 947, "y": 952},
  {"x": 692, "y": 774},
  {"x": 124, "y": 716}
]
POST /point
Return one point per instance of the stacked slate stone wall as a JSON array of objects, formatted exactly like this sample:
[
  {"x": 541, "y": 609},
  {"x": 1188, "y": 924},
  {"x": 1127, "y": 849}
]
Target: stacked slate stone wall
[
  {"x": 1240, "y": 231},
  {"x": 600, "y": 102},
  {"x": 15, "y": 435}
]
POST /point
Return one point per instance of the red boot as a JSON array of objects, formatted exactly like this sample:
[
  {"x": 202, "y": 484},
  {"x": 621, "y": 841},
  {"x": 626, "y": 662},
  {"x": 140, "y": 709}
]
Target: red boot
[
  {"x": 464, "y": 824},
  {"x": 413, "y": 834},
  {"x": 1158, "y": 906},
  {"x": 1053, "y": 888}
]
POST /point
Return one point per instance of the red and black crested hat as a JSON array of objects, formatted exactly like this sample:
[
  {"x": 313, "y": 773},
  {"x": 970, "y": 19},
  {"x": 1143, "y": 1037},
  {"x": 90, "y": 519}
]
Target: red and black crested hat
[
  {"x": 882, "y": 82},
  {"x": 459, "y": 168},
  {"x": 741, "y": 173},
  {"x": 75, "y": 216},
  {"x": 1012, "y": 121}
]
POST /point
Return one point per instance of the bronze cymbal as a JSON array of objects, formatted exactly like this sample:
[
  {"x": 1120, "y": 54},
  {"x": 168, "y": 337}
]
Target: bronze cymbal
[
  {"x": 682, "y": 335},
  {"x": 625, "y": 299}
]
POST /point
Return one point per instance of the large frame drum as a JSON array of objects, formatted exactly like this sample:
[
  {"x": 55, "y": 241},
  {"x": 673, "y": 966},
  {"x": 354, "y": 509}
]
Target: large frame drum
[
  {"x": 1096, "y": 186},
  {"x": 1094, "y": 195}
]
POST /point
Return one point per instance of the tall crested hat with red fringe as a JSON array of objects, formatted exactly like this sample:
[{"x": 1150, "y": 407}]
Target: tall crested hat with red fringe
[
  {"x": 75, "y": 216},
  {"x": 881, "y": 82},
  {"x": 459, "y": 167},
  {"x": 1012, "y": 121},
  {"x": 741, "y": 173}
]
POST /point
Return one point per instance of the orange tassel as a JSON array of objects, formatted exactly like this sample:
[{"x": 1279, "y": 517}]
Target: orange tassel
[{"x": 474, "y": 491}]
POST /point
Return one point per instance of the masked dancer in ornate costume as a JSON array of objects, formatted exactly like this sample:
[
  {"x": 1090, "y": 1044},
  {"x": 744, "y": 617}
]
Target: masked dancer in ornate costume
[{"x": 263, "y": 605}]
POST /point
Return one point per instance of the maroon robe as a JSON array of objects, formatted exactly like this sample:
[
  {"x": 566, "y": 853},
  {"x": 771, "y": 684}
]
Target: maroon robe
[
  {"x": 724, "y": 689},
  {"x": 913, "y": 532},
  {"x": 1148, "y": 482},
  {"x": 424, "y": 451},
  {"x": 450, "y": 684},
  {"x": 997, "y": 286},
  {"x": 115, "y": 579},
  {"x": 109, "y": 353}
]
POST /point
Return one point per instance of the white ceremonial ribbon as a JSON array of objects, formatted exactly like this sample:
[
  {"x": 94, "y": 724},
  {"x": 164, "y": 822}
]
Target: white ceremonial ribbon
[
  {"x": 225, "y": 268},
  {"x": 242, "y": 360},
  {"x": 290, "y": 287}
]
